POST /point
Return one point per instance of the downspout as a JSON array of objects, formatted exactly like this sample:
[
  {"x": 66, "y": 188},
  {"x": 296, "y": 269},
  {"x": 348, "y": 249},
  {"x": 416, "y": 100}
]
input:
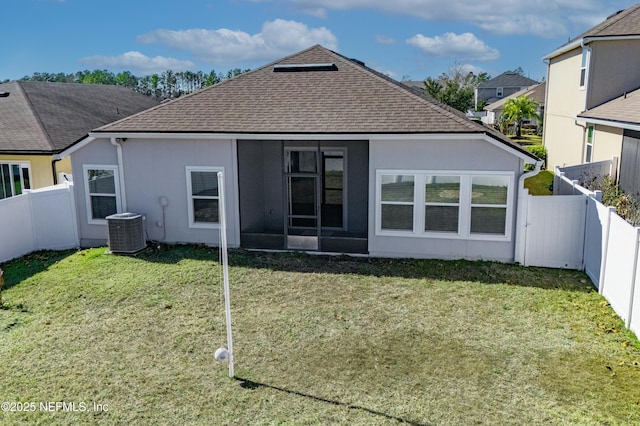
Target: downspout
[
  {"x": 123, "y": 195},
  {"x": 55, "y": 172},
  {"x": 521, "y": 218}
]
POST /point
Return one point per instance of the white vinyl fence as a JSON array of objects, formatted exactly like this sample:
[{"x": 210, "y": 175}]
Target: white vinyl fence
[
  {"x": 42, "y": 219},
  {"x": 578, "y": 232}
]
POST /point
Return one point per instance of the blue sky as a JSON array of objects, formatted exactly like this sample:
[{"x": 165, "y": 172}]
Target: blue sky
[{"x": 402, "y": 38}]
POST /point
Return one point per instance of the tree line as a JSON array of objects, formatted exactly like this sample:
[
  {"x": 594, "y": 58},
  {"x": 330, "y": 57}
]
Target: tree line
[{"x": 166, "y": 85}]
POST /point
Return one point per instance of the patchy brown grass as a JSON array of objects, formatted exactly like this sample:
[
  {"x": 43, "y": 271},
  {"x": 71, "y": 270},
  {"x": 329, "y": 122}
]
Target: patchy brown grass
[{"x": 318, "y": 340}]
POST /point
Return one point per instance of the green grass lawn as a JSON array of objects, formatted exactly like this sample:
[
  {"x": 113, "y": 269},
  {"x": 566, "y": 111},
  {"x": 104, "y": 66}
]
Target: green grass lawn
[
  {"x": 540, "y": 184},
  {"x": 318, "y": 340},
  {"x": 527, "y": 139}
]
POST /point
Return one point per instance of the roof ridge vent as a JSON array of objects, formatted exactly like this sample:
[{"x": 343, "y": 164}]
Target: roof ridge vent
[
  {"x": 615, "y": 14},
  {"x": 4, "y": 94},
  {"x": 304, "y": 67}
]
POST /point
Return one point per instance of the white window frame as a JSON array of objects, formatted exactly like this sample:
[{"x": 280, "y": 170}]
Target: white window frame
[
  {"x": 499, "y": 92},
  {"x": 584, "y": 67},
  {"x": 22, "y": 165},
  {"x": 192, "y": 222},
  {"x": 464, "y": 213},
  {"x": 87, "y": 193},
  {"x": 427, "y": 203},
  {"x": 588, "y": 143}
]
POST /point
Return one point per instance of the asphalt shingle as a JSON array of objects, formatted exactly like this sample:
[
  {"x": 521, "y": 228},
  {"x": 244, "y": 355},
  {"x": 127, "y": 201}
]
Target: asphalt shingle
[{"x": 42, "y": 117}]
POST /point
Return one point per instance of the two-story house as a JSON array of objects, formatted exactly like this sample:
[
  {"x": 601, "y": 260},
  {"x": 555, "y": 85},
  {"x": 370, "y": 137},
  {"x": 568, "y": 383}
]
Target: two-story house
[
  {"x": 502, "y": 86},
  {"x": 584, "y": 75}
]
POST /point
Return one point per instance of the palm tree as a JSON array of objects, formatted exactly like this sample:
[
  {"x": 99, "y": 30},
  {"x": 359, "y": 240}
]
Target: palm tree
[{"x": 516, "y": 110}]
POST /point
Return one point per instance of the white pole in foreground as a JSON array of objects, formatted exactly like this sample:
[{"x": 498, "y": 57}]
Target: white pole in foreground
[{"x": 225, "y": 268}]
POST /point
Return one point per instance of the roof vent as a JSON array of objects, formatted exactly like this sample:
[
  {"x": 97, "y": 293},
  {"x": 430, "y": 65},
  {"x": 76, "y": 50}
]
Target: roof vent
[
  {"x": 304, "y": 67},
  {"x": 357, "y": 61},
  {"x": 4, "y": 94},
  {"x": 615, "y": 13}
]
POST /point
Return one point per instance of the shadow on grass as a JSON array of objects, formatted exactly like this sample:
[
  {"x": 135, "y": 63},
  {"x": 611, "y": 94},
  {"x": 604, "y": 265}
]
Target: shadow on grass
[
  {"x": 441, "y": 270},
  {"x": 18, "y": 270},
  {"x": 252, "y": 385}
]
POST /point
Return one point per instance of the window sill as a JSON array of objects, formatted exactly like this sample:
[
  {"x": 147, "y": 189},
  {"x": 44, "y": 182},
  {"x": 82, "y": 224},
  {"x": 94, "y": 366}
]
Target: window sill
[{"x": 444, "y": 236}]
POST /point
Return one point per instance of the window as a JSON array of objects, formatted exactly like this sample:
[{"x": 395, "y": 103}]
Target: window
[
  {"x": 14, "y": 179},
  {"x": 584, "y": 66},
  {"x": 397, "y": 198},
  {"x": 203, "y": 197},
  {"x": 589, "y": 145},
  {"x": 499, "y": 92},
  {"x": 103, "y": 192},
  {"x": 442, "y": 203},
  {"x": 469, "y": 205},
  {"x": 489, "y": 195}
]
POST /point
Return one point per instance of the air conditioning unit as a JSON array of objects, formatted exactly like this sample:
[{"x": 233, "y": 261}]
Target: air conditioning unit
[{"x": 126, "y": 233}]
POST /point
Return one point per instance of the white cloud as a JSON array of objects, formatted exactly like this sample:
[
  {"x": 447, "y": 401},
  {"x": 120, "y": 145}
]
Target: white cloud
[
  {"x": 136, "y": 61},
  {"x": 548, "y": 18},
  {"x": 380, "y": 39},
  {"x": 233, "y": 47},
  {"x": 463, "y": 46}
]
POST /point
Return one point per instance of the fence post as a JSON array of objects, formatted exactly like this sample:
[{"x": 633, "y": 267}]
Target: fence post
[{"x": 633, "y": 278}]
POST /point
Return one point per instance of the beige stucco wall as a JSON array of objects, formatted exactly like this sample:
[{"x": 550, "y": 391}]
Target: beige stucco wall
[
  {"x": 40, "y": 166},
  {"x": 607, "y": 143},
  {"x": 562, "y": 136},
  {"x": 614, "y": 69}
]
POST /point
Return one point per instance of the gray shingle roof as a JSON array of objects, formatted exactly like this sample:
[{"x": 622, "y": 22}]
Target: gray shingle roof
[
  {"x": 350, "y": 99},
  {"x": 625, "y": 23},
  {"x": 622, "y": 110},
  {"x": 535, "y": 93},
  {"x": 41, "y": 117},
  {"x": 507, "y": 79}
]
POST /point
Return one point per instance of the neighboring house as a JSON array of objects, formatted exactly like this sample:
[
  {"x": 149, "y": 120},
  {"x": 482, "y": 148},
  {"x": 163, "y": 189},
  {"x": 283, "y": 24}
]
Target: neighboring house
[
  {"x": 616, "y": 123},
  {"x": 598, "y": 67},
  {"x": 535, "y": 93},
  {"x": 38, "y": 120},
  {"x": 506, "y": 84},
  {"x": 319, "y": 152}
]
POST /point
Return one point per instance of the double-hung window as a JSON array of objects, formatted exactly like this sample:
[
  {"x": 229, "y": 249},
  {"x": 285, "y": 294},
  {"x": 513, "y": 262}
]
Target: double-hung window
[
  {"x": 489, "y": 196},
  {"x": 588, "y": 154},
  {"x": 442, "y": 203},
  {"x": 203, "y": 197},
  {"x": 438, "y": 204},
  {"x": 103, "y": 192},
  {"x": 14, "y": 179},
  {"x": 584, "y": 67},
  {"x": 397, "y": 195}
]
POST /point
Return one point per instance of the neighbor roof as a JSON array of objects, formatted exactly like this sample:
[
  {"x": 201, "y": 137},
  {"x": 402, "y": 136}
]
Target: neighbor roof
[
  {"x": 625, "y": 23},
  {"x": 42, "y": 117},
  {"x": 507, "y": 79},
  {"x": 620, "y": 112},
  {"x": 331, "y": 94},
  {"x": 535, "y": 93}
]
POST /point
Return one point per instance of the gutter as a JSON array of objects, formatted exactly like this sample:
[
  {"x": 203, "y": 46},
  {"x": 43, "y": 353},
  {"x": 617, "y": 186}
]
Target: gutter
[
  {"x": 586, "y": 40},
  {"x": 609, "y": 123},
  {"x": 123, "y": 196},
  {"x": 519, "y": 254}
]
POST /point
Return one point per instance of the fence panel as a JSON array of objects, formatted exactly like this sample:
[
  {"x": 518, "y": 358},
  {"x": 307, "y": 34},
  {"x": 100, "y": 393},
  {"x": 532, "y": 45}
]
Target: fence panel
[
  {"x": 42, "y": 219},
  {"x": 17, "y": 236},
  {"x": 596, "y": 234},
  {"x": 54, "y": 218},
  {"x": 555, "y": 231},
  {"x": 620, "y": 265}
]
